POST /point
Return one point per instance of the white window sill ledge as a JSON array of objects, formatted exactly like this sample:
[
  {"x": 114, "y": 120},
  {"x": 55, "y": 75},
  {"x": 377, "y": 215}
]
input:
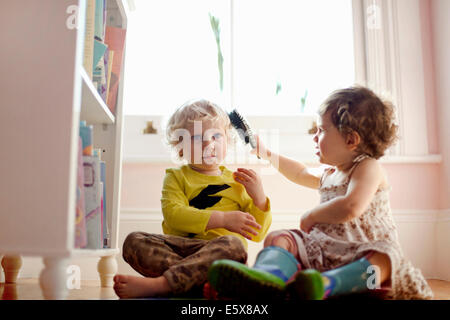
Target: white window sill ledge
[{"x": 425, "y": 159}]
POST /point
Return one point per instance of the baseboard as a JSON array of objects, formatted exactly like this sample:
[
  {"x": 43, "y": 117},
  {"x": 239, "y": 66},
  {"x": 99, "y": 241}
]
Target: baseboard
[
  {"x": 443, "y": 243},
  {"x": 154, "y": 214},
  {"x": 443, "y": 215}
]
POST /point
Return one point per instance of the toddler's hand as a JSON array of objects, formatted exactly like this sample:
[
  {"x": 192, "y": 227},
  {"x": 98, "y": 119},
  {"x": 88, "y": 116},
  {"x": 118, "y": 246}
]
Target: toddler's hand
[
  {"x": 253, "y": 184},
  {"x": 242, "y": 223},
  {"x": 307, "y": 222}
]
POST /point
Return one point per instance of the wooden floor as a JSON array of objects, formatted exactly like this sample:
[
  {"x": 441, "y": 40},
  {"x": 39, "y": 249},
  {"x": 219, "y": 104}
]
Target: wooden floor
[{"x": 28, "y": 289}]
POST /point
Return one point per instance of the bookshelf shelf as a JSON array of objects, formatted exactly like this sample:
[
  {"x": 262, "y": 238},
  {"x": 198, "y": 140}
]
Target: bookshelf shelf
[
  {"x": 47, "y": 91},
  {"x": 86, "y": 253},
  {"x": 93, "y": 109}
]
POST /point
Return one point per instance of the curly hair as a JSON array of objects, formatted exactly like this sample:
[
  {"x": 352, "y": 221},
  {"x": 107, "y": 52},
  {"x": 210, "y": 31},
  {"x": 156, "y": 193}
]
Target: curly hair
[
  {"x": 196, "y": 110},
  {"x": 359, "y": 109}
]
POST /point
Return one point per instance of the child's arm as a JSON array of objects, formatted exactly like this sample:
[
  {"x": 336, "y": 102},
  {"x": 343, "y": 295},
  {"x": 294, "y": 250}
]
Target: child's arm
[
  {"x": 236, "y": 221},
  {"x": 262, "y": 218},
  {"x": 363, "y": 185},
  {"x": 254, "y": 201},
  {"x": 293, "y": 170},
  {"x": 253, "y": 184}
]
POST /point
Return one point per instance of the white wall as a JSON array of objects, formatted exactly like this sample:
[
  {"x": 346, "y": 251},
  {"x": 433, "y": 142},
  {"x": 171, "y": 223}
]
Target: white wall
[{"x": 440, "y": 17}]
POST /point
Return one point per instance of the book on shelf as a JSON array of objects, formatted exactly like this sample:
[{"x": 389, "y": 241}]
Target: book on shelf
[
  {"x": 91, "y": 194},
  {"x": 104, "y": 83},
  {"x": 89, "y": 27},
  {"x": 100, "y": 75},
  {"x": 96, "y": 57},
  {"x": 93, "y": 198},
  {"x": 80, "y": 222},
  {"x": 108, "y": 71},
  {"x": 99, "y": 52},
  {"x": 115, "y": 40},
  {"x": 100, "y": 20},
  {"x": 103, "y": 52},
  {"x": 87, "y": 134},
  {"x": 106, "y": 235},
  {"x": 105, "y": 231}
]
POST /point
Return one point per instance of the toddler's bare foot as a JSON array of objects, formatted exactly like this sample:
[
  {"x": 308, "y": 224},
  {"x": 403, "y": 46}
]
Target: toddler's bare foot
[{"x": 139, "y": 287}]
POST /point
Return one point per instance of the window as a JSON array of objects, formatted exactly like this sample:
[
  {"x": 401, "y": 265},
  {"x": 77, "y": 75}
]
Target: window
[
  {"x": 289, "y": 50},
  {"x": 280, "y": 57},
  {"x": 276, "y": 53}
]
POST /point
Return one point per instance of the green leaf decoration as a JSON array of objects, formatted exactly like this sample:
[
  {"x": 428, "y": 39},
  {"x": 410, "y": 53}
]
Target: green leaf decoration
[{"x": 215, "y": 25}]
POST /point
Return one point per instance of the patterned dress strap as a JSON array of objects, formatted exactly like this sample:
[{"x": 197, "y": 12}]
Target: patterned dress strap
[
  {"x": 326, "y": 172},
  {"x": 361, "y": 157},
  {"x": 356, "y": 161}
]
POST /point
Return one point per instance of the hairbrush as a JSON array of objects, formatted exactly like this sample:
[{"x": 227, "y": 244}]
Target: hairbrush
[{"x": 242, "y": 127}]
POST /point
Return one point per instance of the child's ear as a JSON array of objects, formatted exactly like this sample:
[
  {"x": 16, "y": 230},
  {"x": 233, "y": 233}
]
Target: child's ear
[{"x": 353, "y": 140}]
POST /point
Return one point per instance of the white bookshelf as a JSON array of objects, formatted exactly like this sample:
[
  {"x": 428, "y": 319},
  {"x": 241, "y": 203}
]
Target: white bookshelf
[
  {"x": 94, "y": 110},
  {"x": 45, "y": 92}
]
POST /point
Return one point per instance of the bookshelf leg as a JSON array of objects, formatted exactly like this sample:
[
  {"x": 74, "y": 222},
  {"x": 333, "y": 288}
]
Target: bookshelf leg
[
  {"x": 107, "y": 268},
  {"x": 11, "y": 266},
  {"x": 2, "y": 276},
  {"x": 53, "y": 278}
]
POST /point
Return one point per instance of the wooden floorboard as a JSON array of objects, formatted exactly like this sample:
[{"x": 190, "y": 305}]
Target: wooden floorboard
[{"x": 28, "y": 289}]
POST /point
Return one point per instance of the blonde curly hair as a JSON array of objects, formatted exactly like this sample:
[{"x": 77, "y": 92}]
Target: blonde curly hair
[
  {"x": 359, "y": 109},
  {"x": 196, "y": 110}
]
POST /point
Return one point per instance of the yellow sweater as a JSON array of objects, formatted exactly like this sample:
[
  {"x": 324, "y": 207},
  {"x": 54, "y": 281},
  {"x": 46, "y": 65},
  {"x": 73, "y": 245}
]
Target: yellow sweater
[{"x": 189, "y": 197}]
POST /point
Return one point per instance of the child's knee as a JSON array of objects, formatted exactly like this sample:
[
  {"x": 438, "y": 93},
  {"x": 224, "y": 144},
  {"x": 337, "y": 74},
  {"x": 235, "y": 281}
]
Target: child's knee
[
  {"x": 283, "y": 239},
  {"x": 131, "y": 238},
  {"x": 130, "y": 243},
  {"x": 383, "y": 262},
  {"x": 127, "y": 245},
  {"x": 231, "y": 247},
  {"x": 278, "y": 237},
  {"x": 268, "y": 241}
]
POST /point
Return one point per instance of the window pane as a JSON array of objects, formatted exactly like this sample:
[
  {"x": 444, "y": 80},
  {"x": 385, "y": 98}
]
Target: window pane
[
  {"x": 281, "y": 49},
  {"x": 171, "y": 54},
  {"x": 284, "y": 48}
]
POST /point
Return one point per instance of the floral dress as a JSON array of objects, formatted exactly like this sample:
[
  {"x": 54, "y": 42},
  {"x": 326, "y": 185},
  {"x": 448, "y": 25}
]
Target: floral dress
[{"x": 329, "y": 246}]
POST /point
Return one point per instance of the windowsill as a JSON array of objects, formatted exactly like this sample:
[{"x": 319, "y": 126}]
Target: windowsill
[
  {"x": 425, "y": 159},
  {"x": 285, "y": 135}
]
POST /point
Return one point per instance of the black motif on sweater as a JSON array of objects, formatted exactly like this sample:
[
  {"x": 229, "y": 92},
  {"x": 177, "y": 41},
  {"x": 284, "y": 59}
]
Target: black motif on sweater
[{"x": 205, "y": 199}]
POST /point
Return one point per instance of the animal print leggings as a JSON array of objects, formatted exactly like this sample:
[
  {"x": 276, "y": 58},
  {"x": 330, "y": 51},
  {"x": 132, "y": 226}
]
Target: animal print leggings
[{"x": 184, "y": 262}]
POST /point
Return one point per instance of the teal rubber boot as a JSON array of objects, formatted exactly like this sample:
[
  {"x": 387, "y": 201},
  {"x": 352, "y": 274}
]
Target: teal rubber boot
[{"x": 266, "y": 280}]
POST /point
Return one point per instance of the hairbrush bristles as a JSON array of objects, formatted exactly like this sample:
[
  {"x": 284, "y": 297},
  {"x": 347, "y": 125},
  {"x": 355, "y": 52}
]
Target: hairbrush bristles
[{"x": 243, "y": 128}]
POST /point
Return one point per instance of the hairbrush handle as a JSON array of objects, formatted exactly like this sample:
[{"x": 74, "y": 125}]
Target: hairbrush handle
[{"x": 243, "y": 128}]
